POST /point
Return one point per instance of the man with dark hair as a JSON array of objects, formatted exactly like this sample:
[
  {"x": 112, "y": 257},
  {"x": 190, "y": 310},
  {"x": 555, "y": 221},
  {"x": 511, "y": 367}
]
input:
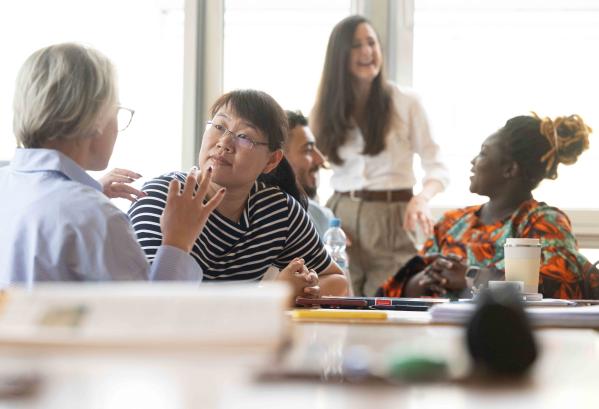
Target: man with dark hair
[{"x": 306, "y": 161}]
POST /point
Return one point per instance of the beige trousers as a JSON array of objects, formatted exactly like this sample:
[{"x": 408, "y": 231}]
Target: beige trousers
[{"x": 379, "y": 244}]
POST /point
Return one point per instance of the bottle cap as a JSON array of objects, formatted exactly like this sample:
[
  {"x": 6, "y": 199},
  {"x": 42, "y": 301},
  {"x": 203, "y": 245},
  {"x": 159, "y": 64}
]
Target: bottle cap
[{"x": 335, "y": 222}]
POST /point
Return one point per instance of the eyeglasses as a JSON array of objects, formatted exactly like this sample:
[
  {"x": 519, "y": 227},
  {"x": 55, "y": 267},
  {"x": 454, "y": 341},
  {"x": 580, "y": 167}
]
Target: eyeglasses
[
  {"x": 124, "y": 117},
  {"x": 241, "y": 140}
]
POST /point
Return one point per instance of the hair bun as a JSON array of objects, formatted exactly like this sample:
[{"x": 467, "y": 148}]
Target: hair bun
[{"x": 568, "y": 137}]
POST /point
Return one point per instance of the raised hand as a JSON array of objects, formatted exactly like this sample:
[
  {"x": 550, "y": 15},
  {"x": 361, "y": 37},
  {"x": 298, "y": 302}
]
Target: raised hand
[{"x": 185, "y": 213}]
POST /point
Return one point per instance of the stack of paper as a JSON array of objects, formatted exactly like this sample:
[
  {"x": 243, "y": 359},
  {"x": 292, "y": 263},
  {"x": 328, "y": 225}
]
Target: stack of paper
[
  {"x": 145, "y": 313},
  {"x": 567, "y": 316},
  {"x": 452, "y": 313},
  {"x": 583, "y": 317}
]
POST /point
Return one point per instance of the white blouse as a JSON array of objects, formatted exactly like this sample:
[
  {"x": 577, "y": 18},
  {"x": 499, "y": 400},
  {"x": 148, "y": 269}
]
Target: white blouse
[{"x": 393, "y": 167}]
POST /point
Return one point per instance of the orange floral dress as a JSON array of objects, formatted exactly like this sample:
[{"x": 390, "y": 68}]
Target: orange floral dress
[{"x": 565, "y": 273}]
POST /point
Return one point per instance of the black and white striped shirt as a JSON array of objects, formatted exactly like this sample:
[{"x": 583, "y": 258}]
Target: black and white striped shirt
[{"x": 273, "y": 230}]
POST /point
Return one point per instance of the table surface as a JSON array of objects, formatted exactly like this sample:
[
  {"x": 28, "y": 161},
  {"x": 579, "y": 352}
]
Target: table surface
[{"x": 565, "y": 375}]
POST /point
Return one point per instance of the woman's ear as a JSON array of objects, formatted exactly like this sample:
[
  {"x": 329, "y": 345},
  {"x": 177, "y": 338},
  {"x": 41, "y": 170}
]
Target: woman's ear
[
  {"x": 511, "y": 170},
  {"x": 273, "y": 161}
]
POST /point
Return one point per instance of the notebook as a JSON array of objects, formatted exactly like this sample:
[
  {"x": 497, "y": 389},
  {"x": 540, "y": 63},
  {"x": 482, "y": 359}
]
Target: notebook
[
  {"x": 566, "y": 316},
  {"x": 145, "y": 313}
]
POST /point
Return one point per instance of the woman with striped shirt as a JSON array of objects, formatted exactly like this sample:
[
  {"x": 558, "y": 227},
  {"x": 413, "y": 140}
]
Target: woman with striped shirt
[{"x": 261, "y": 221}]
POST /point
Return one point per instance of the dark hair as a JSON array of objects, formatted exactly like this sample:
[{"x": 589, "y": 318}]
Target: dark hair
[
  {"x": 296, "y": 118},
  {"x": 538, "y": 145},
  {"x": 335, "y": 102},
  {"x": 267, "y": 115}
]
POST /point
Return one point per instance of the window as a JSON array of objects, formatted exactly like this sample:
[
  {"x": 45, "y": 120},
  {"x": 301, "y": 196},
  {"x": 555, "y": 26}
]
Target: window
[
  {"x": 145, "y": 41},
  {"x": 278, "y": 46},
  {"x": 477, "y": 64}
]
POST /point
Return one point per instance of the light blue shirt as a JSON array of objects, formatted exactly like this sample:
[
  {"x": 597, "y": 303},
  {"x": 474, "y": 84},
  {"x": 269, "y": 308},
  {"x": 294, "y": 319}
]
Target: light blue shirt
[
  {"x": 321, "y": 216},
  {"x": 57, "y": 225}
]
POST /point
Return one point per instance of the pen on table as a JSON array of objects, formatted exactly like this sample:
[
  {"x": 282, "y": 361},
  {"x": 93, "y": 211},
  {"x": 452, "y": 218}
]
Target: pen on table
[{"x": 337, "y": 314}]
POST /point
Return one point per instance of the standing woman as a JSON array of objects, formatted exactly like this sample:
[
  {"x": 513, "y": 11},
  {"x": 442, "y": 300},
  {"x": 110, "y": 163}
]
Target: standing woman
[{"x": 370, "y": 130}]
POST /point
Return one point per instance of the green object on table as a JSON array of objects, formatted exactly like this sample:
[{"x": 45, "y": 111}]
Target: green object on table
[{"x": 417, "y": 368}]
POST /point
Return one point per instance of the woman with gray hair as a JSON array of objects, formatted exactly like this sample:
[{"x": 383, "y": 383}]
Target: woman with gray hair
[{"x": 57, "y": 224}]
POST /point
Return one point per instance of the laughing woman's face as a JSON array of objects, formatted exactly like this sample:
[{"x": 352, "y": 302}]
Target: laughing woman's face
[
  {"x": 366, "y": 57},
  {"x": 488, "y": 167}
]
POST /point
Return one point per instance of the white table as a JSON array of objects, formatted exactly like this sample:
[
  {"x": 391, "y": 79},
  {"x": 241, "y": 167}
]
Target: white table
[{"x": 566, "y": 374}]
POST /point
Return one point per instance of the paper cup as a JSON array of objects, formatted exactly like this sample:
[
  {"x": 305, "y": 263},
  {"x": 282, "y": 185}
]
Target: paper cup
[{"x": 523, "y": 262}]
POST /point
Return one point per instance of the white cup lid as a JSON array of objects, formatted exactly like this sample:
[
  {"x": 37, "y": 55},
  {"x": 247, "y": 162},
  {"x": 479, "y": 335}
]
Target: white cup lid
[{"x": 525, "y": 242}]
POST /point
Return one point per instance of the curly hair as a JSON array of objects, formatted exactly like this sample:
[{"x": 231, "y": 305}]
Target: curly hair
[{"x": 538, "y": 145}]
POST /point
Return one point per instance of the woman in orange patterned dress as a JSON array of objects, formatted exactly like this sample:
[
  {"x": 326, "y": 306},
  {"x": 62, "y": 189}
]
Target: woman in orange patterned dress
[{"x": 466, "y": 248}]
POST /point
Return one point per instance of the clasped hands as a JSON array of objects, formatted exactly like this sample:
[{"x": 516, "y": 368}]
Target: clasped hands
[
  {"x": 446, "y": 274},
  {"x": 304, "y": 281}
]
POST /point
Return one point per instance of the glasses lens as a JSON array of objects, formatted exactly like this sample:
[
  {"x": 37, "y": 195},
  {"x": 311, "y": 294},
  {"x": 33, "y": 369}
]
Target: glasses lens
[
  {"x": 244, "y": 143},
  {"x": 124, "y": 117}
]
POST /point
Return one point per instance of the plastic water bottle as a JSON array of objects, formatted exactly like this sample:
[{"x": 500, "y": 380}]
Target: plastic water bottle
[{"x": 335, "y": 242}]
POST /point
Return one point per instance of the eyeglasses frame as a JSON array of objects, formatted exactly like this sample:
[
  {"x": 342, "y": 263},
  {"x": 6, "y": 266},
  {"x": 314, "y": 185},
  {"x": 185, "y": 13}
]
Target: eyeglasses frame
[
  {"x": 131, "y": 111},
  {"x": 227, "y": 131}
]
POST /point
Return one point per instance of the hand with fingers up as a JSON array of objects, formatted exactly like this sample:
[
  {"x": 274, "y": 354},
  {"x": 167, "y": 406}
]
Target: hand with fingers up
[
  {"x": 186, "y": 213},
  {"x": 116, "y": 184}
]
